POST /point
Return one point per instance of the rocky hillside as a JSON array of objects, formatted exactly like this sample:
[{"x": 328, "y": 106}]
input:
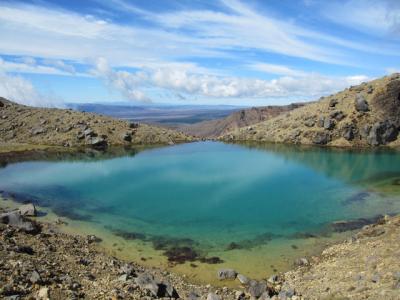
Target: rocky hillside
[
  {"x": 236, "y": 120},
  {"x": 21, "y": 124},
  {"x": 363, "y": 115}
]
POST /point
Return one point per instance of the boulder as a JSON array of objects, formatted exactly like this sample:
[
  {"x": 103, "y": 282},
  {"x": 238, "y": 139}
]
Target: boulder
[
  {"x": 243, "y": 279},
  {"x": 301, "y": 262},
  {"x": 212, "y": 296},
  {"x": 133, "y": 125},
  {"x": 165, "y": 289},
  {"x": 329, "y": 124},
  {"x": 15, "y": 219},
  {"x": 224, "y": 274},
  {"x": 99, "y": 143},
  {"x": 333, "y": 102},
  {"x": 38, "y": 130},
  {"x": 348, "y": 131},
  {"x": 338, "y": 115},
  {"x": 146, "y": 282},
  {"x": 127, "y": 137},
  {"x": 382, "y": 133},
  {"x": 320, "y": 121},
  {"x": 257, "y": 288},
  {"x": 321, "y": 138},
  {"x": 361, "y": 104},
  {"x": 35, "y": 277},
  {"x": 27, "y": 210},
  {"x": 1, "y": 104},
  {"x": 89, "y": 133}
]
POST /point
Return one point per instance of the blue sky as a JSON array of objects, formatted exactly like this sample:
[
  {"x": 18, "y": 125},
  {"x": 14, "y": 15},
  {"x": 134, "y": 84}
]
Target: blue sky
[{"x": 193, "y": 52}]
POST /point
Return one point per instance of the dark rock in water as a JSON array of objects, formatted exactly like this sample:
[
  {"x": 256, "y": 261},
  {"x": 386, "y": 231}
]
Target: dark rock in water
[
  {"x": 27, "y": 210},
  {"x": 129, "y": 235},
  {"x": 68, "y": 212},
  {"x": 396, "y": 181},
  {"x": 321, "y": 138},
  {"x": 256, "y": 289},
  {"x": 211, "y": 260},
  {"x": 382, "y": 133},
  {"x": 342, "y": 226},
  {"x": 357, "y": 198},
  {"x": 233, "y": 246},
  {"x": 224, "y": 274},
  {"x": 181, "y": 255},
  {"x": 165, "y": 243},
  {"x": 302, "y": 235},
  {"x": 361, "y": 104},
  {"x": 146, "y": 282}
]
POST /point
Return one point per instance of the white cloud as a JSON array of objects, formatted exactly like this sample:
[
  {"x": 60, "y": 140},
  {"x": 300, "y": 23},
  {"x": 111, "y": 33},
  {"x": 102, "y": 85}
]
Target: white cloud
[
  {"x": 134, "y": 85},
  {"x": 43, "y": 32},
  {"x": 370, "y": 16},
  {"x": 20, "y": 90},
  {"x": 276, "y": 69}
]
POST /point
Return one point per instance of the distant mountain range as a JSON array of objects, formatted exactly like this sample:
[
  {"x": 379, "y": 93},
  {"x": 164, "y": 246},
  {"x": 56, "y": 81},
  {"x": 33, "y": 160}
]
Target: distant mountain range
[{"x": 166, "y": 115}]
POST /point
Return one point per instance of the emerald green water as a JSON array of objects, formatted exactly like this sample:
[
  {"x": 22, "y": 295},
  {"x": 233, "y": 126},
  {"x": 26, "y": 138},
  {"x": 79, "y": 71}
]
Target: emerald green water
[{"x": 213, "y": 194}]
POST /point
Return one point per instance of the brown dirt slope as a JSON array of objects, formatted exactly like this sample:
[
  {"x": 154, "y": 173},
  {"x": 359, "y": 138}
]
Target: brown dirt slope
[
  {"x": 363, "y": 115},
  {"x": 236, "y": 120},
  {"x": 20, "y": 124}
]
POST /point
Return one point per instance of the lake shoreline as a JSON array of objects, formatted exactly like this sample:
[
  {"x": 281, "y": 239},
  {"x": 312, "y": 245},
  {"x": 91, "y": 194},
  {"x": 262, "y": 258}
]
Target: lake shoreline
[{"x": 51, "y": 246}]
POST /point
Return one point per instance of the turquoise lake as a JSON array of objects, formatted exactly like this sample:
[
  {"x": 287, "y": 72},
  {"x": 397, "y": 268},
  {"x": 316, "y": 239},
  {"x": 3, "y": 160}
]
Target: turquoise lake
[{"x": 219, "y": 200}]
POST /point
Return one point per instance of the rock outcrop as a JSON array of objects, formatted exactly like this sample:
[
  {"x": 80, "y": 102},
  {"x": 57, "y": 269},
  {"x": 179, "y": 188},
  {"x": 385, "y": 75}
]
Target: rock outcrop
[
  {"x": 20, "y": 124},
  {"x": 361, "y": 116},
  {"x": 236, "y": 120}
]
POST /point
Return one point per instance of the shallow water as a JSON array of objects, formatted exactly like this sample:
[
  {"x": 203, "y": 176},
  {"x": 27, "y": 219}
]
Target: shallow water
[{"x": 251, "y": 207}]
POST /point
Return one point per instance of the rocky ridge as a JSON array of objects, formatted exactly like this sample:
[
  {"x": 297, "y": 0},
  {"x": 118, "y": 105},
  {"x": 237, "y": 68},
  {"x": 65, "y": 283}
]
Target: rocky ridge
[
  {"x": 20, "y": 124},
  {"x": 236, "y": 120},
  {"x": 362, "y": 116}
]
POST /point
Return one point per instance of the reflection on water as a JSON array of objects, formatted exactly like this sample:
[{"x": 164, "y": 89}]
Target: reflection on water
[{"x": 207, "y": 202}]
